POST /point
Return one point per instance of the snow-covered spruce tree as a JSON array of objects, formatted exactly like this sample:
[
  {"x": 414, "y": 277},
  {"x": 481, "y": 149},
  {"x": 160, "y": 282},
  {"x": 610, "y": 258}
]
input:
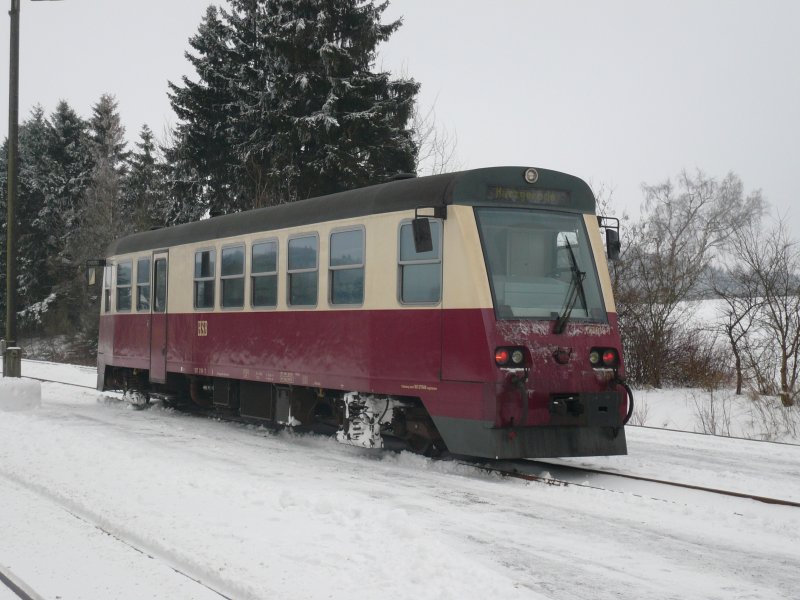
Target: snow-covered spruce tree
[
  {"x": 53, "y": 170},
  {"x": 144, "y": 188},
  {"x": 288, "y": 104},
  {"x": 72, "y": 166},
  {"x": 33, "y": 241},
  {"x": 102, "y": 217},
  {"x": 205, "y": 171}
]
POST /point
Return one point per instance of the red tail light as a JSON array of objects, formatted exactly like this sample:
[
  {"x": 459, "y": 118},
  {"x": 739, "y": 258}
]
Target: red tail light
[
  {"x": 610, "y": 357},
  {"x": 510, "y": 357},
  {"x": 501, "y": 356},
  {"x": 604, "y": 358}
]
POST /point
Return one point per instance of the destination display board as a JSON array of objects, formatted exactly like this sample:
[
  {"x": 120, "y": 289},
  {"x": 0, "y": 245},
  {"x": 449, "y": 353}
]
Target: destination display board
[{"x": 527, "y": 195}]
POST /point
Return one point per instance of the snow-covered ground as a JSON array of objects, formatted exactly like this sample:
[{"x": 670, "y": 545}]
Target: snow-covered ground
[
  {"x": 721, "y": 412},
  {"x": 103, "y": 501}
]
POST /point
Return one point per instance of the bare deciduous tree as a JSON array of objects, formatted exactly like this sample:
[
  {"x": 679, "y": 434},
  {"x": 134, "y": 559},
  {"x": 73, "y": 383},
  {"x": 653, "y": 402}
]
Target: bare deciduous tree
[
  {"x": 436, "y": 145},
  {"x": 738, "y": 290},
  {"x": 773, "y": 260},
  {"x": 683, "y": 226}
]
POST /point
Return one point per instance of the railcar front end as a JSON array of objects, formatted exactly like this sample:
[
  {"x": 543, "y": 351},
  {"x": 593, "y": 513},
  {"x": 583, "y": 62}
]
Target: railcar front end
[{"x": 531, "y": 363}]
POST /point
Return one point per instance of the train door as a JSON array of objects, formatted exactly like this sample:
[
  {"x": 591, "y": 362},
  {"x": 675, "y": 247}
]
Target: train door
[{"x": 158, "y": 319}]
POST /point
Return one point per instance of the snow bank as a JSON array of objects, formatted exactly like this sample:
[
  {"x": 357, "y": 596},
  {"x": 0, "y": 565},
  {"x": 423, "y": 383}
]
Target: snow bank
[{"x": 18, "y": 393}]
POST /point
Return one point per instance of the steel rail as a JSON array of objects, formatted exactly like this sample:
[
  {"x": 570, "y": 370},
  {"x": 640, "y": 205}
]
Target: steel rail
[
  {"x": 518, "y": 467},
  {"x": 26, "y": 593},
  {"x": 16, "y": 585},
  {"x": 136, "y": 548}
]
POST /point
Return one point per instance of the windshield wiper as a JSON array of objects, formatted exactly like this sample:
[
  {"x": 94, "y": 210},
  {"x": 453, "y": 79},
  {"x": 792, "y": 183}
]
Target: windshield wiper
[{"x": 575, "y": 290}]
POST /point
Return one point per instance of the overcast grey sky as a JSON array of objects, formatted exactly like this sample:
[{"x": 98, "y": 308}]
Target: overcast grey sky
[{"x": 618, "y": 93}]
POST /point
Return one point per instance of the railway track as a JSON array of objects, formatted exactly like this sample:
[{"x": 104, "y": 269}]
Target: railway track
[
  {"x": 530, "y": 470},
  {"x": 26, "y": 592},
  {"x": 17, "y": 586}
]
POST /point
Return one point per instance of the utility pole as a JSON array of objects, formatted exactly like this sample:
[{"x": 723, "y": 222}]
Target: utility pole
[{"x": 12, "y": 357}]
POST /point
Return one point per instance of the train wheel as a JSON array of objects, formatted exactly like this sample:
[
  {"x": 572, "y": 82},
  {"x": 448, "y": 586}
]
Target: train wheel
[{"x": 426, "y": 447}]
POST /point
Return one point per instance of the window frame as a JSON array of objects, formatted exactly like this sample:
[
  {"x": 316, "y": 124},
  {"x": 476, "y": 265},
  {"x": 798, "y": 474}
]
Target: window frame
[
  {"x": 108, "y": 283},
  {"x": 363, "y": 265},
  {"x": 195, "y": 279},
  {"x": 129, "y": 286},
  {"x": 149, "y": 284},
  {"x": 402, "y": 263},
  {"x": 290, "y": 272},
  {"x": 153, "y": 299},
  {"x": 253, "y": 274},
  {"x": 223, "y": 278}
]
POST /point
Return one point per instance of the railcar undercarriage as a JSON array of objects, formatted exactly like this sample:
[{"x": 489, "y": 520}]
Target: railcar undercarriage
[{"x": 356, "y": 419}]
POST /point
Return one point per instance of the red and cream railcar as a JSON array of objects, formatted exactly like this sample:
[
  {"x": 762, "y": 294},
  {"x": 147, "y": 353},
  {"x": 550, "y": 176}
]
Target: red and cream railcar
[{"x": 486, "y": 325}]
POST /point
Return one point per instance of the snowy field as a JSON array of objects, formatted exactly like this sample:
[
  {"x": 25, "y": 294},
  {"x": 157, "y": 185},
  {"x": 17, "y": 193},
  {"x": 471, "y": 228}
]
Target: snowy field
[{"x": 103, "y": 501}]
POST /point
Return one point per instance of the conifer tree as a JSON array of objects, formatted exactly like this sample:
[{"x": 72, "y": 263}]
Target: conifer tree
[
  {"x": 34, "y": 239},
  {"x": 288, "y": 103},
  {"x": 205, "y": 172},
  {"x": 72, "y": 166},
  {"x": 73, "y": 162},
  {"x": 144, "y": 197},
  {"x": 53, "y": 169},
  {"x": 102, "y": 217}
]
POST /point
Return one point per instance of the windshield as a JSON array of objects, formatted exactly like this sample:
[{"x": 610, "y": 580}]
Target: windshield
[{"x": 529, "y": 261}]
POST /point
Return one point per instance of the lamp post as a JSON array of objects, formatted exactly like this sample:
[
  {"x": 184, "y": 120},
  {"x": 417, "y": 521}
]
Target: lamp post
[{"x": 12, "y": 357}]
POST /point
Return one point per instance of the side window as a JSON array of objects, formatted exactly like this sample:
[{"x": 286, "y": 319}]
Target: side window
[
  {"x": 233, "y": 277},
  {"x": 264, "y": 273},
  {"x": 420, "y": 275},
  {"x": 124, "y": 285},
  {"x": 107, "y": 275},
  {"x": 303, "y": 270},
  {"x": 160, "y": 298},
  {"x": 204, "y": 274},
  {"x": 347, "y": 267},
  {"x": 143, "y": 284}
]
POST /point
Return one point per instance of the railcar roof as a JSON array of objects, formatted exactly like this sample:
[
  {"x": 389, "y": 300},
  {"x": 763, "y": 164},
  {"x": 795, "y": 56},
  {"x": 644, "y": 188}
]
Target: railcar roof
[{"x": 463, "y": 187}]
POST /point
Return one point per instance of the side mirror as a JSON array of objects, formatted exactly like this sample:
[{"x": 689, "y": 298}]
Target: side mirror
[
  {"x": 423, "y": 241},
  {"x": 613, "y": 245},
  {"x": 611, "y": 225}
]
